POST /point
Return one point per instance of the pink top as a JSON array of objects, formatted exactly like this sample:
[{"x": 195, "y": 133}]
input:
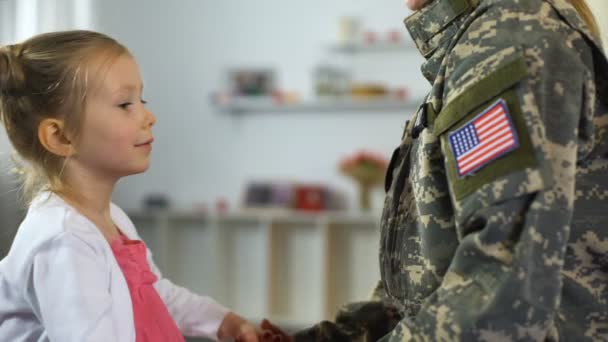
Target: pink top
[{"x": 152, "y": 319}]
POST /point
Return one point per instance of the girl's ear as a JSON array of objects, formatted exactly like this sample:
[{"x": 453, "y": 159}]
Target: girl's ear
[{"x": 53, "y": 137}]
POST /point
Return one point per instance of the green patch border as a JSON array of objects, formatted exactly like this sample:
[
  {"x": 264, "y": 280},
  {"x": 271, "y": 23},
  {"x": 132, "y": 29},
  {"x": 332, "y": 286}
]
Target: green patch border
[
  {"x": 499, "y": 85},
  {"x": 520, "y": 158}
]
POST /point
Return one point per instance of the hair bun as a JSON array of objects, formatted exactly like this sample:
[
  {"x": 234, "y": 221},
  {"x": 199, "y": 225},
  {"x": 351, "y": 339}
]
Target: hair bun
[{"x": 12, "y": 75}]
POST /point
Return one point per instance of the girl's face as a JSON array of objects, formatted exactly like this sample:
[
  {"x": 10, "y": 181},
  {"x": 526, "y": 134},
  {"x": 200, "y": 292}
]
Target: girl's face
[{"x": 116, "y": 137}]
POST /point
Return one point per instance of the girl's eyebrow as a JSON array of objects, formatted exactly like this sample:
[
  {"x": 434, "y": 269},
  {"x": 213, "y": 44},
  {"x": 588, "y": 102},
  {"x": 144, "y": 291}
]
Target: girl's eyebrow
[{"x": 130, "y": 87}]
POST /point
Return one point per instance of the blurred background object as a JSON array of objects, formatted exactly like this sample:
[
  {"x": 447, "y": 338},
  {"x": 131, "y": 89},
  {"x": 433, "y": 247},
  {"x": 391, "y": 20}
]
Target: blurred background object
[
  {"x": 349, "y": 30},
  {"x": 252, "y": 82},
  {"x": 368, "y": 170},
  {"x": 156, "y": 201},
  {"x": 331, "y": 81}
]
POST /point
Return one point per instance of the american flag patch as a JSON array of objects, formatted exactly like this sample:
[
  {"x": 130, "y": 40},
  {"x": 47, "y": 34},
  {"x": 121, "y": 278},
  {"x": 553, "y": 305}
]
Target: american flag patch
[{"x": 485, "y": 138}]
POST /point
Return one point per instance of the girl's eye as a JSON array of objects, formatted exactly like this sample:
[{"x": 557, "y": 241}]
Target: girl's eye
[{"x": 126, "y": 105}]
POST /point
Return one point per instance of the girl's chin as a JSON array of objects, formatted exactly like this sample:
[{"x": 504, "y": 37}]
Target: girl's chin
[
  {"x": 415, "y": 5},
  {"x": 136, "y": 171}
]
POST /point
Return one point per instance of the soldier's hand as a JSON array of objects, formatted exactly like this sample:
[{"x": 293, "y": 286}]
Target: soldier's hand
[{"x": 324, "y": 331}]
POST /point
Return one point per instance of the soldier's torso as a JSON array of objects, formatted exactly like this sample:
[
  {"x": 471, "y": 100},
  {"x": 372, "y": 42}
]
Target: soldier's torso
[
  {"x": 421, "y": 226},
  {"x": 418, "y": 236}
]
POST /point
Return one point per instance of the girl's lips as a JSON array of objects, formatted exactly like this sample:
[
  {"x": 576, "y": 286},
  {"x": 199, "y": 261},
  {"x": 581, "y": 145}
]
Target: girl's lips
[
  {"x": 146, "y": 147},
  {"x": 149, "y": 142}
]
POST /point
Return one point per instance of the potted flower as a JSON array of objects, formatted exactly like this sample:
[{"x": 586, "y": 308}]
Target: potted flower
[{"x": 368, "y": 170}]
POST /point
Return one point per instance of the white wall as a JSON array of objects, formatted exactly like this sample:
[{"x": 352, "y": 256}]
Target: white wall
[
  {"x": 185, "y": 47},
  {"x": 183, "y": 51},
  {"x": 56, "y": 15},
  {"x": 6, "y": 21},
  {"x": 7, "y": 13},
  {"x": 600, "y": 10},
  {"x": 7, "y": 28}
]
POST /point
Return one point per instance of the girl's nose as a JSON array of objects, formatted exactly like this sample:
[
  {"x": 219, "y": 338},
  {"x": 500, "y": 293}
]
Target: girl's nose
[{"x": 150, "y": 119}]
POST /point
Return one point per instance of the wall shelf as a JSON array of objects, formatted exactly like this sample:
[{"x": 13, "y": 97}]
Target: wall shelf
[
  {"x": 295, "y": 268},
  {"x": 247, "y": 106},
  {"x": 352, "y": 48}
]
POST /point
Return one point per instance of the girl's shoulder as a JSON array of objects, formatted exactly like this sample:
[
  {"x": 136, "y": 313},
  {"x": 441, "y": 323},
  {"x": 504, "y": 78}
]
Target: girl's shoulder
[
  {"x": 47, "y": 219},
  {"x": 49, "y": 222}
]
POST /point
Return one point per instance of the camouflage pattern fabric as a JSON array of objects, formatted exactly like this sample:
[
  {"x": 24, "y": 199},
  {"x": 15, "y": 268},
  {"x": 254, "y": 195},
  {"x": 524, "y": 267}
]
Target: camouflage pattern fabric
[{"x": 518, "y": 250}]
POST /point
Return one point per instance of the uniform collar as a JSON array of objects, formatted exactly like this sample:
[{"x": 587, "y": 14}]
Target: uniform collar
[{"x": 429, "y": 26}]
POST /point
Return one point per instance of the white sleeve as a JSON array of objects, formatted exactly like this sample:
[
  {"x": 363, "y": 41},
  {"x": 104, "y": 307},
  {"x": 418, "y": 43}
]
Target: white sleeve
[
  {"x": 195, "y": 315},
  {"x": 70, "y": 290}
]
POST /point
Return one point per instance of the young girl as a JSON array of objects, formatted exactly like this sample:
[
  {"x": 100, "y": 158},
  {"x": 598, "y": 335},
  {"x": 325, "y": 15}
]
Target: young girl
[{"x": 72, "y": 106}]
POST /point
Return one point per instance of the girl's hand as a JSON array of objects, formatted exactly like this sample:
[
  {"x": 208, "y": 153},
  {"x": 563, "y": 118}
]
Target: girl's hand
[
  {"x": 248, "y": 333},
  {"x": 272, "y": 333},
  {"x": 236, "y": 328}
]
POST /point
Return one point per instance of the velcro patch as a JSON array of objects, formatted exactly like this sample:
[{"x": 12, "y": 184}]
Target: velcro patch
[{"x": 485, "y": 138}]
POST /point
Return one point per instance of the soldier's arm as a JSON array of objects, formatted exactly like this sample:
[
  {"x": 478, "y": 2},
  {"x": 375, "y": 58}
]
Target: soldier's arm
[{"x": 512, "y": 214}]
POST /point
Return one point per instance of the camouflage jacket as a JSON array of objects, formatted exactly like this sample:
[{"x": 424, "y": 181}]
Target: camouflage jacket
[{"x": 495, "y": 225}]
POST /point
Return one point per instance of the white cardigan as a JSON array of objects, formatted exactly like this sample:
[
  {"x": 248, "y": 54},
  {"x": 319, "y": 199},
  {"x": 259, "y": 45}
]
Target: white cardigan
[{"x": 61, "y": 282}]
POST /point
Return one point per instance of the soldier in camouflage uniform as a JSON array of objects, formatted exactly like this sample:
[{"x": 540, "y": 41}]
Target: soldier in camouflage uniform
[{"x": 505, "y": 239}]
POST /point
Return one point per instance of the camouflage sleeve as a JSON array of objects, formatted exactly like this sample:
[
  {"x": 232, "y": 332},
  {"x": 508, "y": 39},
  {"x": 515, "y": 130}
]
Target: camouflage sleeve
[{"x": 512, "y": 217}]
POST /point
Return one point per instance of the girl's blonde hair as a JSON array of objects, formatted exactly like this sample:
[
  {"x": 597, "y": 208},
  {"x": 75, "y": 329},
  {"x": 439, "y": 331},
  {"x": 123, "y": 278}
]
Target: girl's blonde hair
[
  {"x": 585, "y": 12},
  {"x": 47, "y": 76}
]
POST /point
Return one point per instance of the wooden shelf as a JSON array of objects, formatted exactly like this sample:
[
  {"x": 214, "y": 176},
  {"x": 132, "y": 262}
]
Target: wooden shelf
[
  {"x": 352, "y": 48},
  {"x": 246, "y": 106},
  {"x": 297, "y": 268},
  {"x": 259, "y": 216}
]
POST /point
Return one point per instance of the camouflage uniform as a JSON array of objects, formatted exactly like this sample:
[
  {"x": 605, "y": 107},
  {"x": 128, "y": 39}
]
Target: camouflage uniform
[{"x": 518, "y": 249}]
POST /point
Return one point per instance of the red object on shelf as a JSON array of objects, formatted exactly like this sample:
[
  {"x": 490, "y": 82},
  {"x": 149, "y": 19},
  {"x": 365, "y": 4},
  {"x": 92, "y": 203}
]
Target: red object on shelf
[
  {"x": 370, "y": 37},
  {"x": 278, "y": 96},
  {"x": 310, "y": 198},
  {"x": 394, "y": 36},
  {"x": 401, "y": 94},
  {"x": 221, "y": 206}
]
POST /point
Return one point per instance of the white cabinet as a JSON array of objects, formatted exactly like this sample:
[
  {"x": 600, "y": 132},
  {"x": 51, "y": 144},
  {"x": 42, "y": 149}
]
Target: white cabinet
[{"x": 293, "y": 268}]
